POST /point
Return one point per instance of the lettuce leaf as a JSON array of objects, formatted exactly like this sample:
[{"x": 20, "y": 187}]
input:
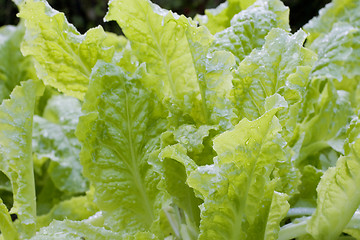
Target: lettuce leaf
[
  {"x": 186, "y": 79},
  {"x": 237, "y": 189},
  {"x": 231, "y": 129},
  {"x": 76, "y": 209},
  {"x": 63, "y": 57},
  {"x": 248, "y": 28},
  {"x": 74, "y": 230},
  {"x": 339, "y": 185},
  {"x": 277, "y": 212},
  {"x": 175, "y": 166},
  {"x": 339, "y": 58},
  {"x": 16, "y": 119},
  {"x": 118, "y": 132},
  {"x": 14, "y": 67},
  {"x": 307, "y": 190},
  {"x": 7, "y": 227},
  {"x": 265, "y": 72},
  {"x": 168, "y": 62},
  {"x": 326, "y": 126},
  {"x": 218, "y": 19},
  {"x": 213, "y": 76},
  {"x": 54, "y": 139},
  {"x": 345, "y": 11}
]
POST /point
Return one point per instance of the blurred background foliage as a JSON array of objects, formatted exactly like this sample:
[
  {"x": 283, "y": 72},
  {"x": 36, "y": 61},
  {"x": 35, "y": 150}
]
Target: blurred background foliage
[{"x": 85, "y": 14}]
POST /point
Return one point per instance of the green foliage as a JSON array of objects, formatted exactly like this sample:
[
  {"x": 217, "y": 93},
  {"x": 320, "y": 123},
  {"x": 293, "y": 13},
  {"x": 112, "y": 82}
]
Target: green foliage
[
  {"x": 233, "y": 129},
  {"x": 14, "y": 67},
  {"x": 16, "y": 116}
]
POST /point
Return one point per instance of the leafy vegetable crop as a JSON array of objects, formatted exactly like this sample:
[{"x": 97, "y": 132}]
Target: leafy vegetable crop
[{"x": 226, "y": 126}]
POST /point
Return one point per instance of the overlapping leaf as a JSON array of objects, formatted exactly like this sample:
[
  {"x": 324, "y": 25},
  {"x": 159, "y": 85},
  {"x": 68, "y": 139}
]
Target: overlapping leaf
[
  {"x": 14, "y": 67},
  {"x": 118, "y": 133},
  {"x": 249, "y": 28},
  {"x": 338, "y": 11},
  {"x": 158, "y": 37},
  {"x": 334, "y": 35},
  {"x": 265, "y": 72},
  {"x": 219, "y": 18},
  {"x": 54, "y": 139},
  {"x": 339, "y": 58},
  {"x": 327, "y": 125},
  {"x": 175, "y": 167},
  {"x": 339, "y": 185},
  {"x": 74, "y": 230},
  {"x": 64, "y": 57},
  {"x": 176, "y": 144},
  {"x": 76, "y": 208},
  {"x": 16, "y": 118},
  {"x": 213, "y": 76},
  {"x": 179, "y": 70},
  {"x": 8, "y": 230},
  {"x": 237, "y": 189}
]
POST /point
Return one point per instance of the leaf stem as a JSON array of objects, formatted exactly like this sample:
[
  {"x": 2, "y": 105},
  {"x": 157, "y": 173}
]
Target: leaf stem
[
  {"x": 293, "y": 230},
  {"x": 300, "y": 211},
  {"x": 172, "y": 221}
]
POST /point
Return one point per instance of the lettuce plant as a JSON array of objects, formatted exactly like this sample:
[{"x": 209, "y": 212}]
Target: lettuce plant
[{"x": 225, "y": 126}]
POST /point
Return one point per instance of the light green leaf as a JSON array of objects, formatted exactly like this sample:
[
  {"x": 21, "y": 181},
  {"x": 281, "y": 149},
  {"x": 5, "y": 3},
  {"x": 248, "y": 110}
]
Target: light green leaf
[
  {"x": 196, "y": 140},
  {"x": 310, "y": 178},
  {"x": 119, "y": 131},
  {"x": 339, "y": 58},
  {"x": 265, "y": 72},
  {"x": 278, "y": 209},
  {"x": 141, "y": 236},
  {"x": 7, "y": 228},
  {"x": 345, "y": 11},
  {"x": 213, "y": 76},
  {"x": 54, "y": 139},
  {"x": 158, "y": 37},
  {"x": 76, "y": 209},
  {"x": 191, "y": 137},
  {"x": 285, "y": 171},
  {"x": 327, "y": 113},
  {"x": 126, "y": 59},
  {"x": 295, "y": 230},
  {"x": 64, "y": 57},
  {"x": 114, "y": 40},
  {"x": 14, "y": 67},
  {"x": 249, "y": 28},
  {"x": 218, "y": 19},
  {"x": 287, "y": 174},
  {"x": 175, "y": 167},
  {"x": 179, "y": 71},
  {"x": 74, "y": 230},
  {"x": 295, "y": 94},
  {"x": 338, "y": 192},
  {"x": 16, "y": 118},
  {"x": 237, "y": 189},
  {"x": 353, "y": 232}
]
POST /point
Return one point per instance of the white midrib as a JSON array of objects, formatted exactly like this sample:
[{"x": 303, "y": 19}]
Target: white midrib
[
  {"x": 241, "y": 212},
  {"x": 202, "y": 88},
  {"x": 135, "y": 169}
]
